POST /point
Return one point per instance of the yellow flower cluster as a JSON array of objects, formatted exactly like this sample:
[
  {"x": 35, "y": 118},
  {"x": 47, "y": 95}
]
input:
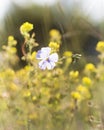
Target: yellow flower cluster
[
  {"x": 54, "y": 46},
  {"x": 11, "y": 49},
  {"x": 26, "y": 27},
  {"x": 100, "y": 46}
]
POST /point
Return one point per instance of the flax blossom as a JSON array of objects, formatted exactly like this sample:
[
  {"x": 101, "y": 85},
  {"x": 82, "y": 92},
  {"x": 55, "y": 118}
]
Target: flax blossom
[{"x": 47, "y": 59}]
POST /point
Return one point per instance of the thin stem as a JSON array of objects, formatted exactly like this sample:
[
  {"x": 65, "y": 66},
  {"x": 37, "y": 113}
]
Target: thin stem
[{"x": 23, "y": 49}]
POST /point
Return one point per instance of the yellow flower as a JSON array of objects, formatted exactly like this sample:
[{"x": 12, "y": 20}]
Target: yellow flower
[
  {"x": 67, "y": 54},
  {"x": 54, "y": 33},
  {"x": 10, "y": 38},
  {"x": 90, "y": 67},
  {"x": 100, "y": 46},
  {"x": 73, "y": 74},
  {"x": 76, "y": 95},
  {"x": 86, "y": 81},
  {"x": 84, "y": 92},
  {"x": 26, "y": 27},
  {"x": 54, "y": 46},
  {"x": 28, "y": 68},
  {"x": 33, "y": 55},
  {"x": 11, "y": 41}
]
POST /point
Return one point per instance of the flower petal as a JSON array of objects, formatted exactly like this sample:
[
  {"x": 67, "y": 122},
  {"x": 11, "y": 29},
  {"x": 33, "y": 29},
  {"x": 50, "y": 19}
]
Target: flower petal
[
  {"x": 45, "y": 64},
  {"x": 43, "y": 53},
  {"x": 52, "y": 64},
  {"x": 42, "y": 65},
  {"x": 53, "y": 57}
]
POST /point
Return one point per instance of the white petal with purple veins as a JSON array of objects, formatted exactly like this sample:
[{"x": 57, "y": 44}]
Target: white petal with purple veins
[
  {"x": 53, "y": 57},
  {"x": 43, "y": 53}
]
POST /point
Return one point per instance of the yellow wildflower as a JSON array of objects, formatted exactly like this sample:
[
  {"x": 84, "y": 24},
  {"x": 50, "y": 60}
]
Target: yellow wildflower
[
  {"x": 86, "y": 81},
  {"x": 54, "y": 46},
  {"x": 90, "y": 67},
  {"x": 11, "y": 41},
  {"x": 73, "y": 74},
  {"x": 33, "y": 55},
  {"x": 67, "y": 54},
  {"x": 84, "y": 92},
  {"x": 100, "y": 46},
  {"x": 54, "y": 33},
  {"x": 76, "y": 95},
  {"x": 28, "y": 68},
  {"x": 26, "y": 27},
  {"x": 10, "y": 38}
]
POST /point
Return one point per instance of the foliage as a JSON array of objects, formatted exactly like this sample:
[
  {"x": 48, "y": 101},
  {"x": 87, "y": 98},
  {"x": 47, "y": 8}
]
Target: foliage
[{"x": 46, "y": 94}]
